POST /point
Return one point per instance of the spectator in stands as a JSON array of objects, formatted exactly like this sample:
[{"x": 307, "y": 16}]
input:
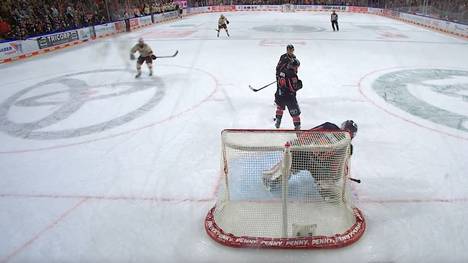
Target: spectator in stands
[
  {"x": 4, "y": 29},
  {"x": 27, "y": 18},
  {"x": 147, "y": 10}
]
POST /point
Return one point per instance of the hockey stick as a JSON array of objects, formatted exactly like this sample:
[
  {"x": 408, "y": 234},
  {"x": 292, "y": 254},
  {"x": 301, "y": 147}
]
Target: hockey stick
[
  {"x": 175, "y": 54},
  {"x": 255, "y": 90},
  {"x": 355, "y": 180}
]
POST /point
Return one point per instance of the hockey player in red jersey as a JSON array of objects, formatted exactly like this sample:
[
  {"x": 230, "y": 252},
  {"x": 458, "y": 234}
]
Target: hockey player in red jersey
[
  {"x": 287, "y": 85},
  {"x": 317, "y": 164}
]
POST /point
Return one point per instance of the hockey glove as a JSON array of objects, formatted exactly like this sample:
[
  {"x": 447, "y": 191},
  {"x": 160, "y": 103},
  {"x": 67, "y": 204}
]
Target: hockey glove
[
  {"x": 298, "y": 85},
  {"x": 153, "y": 56},
  {"x": 282, "y": 82},
  {"x": 227, "y": 22},
  {"x": 282, "y": 79},
  {"x": 132, "y": 56}
]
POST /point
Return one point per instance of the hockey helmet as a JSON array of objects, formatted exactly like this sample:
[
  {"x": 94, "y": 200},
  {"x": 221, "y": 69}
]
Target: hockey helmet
[
  {"x": 290, "y": 47},
  {"x": 350, "y": 126},
  {"x": 141, "y": 41}
]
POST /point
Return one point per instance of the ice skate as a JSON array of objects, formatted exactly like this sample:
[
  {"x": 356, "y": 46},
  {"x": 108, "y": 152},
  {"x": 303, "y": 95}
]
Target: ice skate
[{"x": 278, "y": 122}]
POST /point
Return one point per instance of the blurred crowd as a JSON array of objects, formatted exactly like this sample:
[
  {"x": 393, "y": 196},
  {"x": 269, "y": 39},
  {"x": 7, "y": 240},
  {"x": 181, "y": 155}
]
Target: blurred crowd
[
  {"x": 277, "y": 2},
  {"x": 20, "y": 19},
  {"x": 452, "y": 10},
  {"x": 137, "y": 8}
]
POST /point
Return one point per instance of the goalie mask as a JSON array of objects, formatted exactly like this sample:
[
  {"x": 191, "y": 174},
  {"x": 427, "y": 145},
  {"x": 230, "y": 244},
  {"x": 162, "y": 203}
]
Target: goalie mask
[{"x": 350, "y": 126}]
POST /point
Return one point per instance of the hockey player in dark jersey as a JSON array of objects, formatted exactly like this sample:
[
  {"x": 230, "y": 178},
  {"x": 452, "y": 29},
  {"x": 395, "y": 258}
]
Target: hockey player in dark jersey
[
  {"x": 321, "y": 165},
  {"x": 334, "y": 21},
  {"x": 287, "y": 85},
  {"x": 285, "y": 59}
]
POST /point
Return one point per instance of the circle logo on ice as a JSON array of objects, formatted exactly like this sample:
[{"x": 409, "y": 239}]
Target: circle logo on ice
[
  {"x": 51, "y": 109},
  {"x": 437, "y": 95}
]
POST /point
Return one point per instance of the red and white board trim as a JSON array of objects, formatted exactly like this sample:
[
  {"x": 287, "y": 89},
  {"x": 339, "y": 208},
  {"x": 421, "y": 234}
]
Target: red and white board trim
[{"x": 42, "y": 51}]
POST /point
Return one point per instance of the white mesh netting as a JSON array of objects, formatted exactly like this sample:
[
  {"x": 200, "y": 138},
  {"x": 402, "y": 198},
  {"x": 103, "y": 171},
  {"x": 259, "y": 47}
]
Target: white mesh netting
[{"x": 266, "y": 198}]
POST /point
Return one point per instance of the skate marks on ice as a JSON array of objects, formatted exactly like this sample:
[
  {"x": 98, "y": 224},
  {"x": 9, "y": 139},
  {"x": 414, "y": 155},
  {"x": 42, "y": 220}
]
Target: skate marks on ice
[
  {"x": 288, "y": 28},
  {"x": 65, "y": 96},
  {"x": 281, "y": 42},
  {"x": 60, "y": 107},
  {"x": 376, "y": 27},
  {"x": 428, "y": 95}
]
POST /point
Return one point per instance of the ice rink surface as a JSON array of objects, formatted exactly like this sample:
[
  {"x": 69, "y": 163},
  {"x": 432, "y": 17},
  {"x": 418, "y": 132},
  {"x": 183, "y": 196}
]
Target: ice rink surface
[{"x": 97, "y": 166}]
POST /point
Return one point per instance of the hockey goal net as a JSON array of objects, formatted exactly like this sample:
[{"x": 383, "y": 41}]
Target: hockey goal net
[
  {"x": 285, "y": 189},
  {"x": 287, "y": 8}
]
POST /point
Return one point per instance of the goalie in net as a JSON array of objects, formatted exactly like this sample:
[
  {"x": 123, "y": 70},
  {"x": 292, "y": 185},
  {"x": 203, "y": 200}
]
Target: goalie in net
[{"x": 320, "y": 165}]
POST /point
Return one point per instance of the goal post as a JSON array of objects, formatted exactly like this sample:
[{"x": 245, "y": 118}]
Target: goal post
[{"x": 284, "y": 189}]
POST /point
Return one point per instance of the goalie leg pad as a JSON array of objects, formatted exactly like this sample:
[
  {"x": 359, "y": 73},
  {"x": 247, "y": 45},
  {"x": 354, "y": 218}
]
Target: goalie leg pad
[
  {"x": 329, "y": 191},
  {"x": 272, "y": 178}
]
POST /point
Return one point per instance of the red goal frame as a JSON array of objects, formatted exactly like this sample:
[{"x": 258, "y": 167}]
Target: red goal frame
[{"x": 346, "y": 238}]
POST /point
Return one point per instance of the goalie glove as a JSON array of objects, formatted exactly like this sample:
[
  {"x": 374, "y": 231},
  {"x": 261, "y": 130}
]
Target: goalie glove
[
  {"x": 153, "y": 56},
  {"x": 132, "y": 56}
]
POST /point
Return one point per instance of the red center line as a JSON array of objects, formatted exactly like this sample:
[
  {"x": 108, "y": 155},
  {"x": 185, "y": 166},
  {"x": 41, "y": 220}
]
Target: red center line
[
  {"x": 213, "y": 198},
  {"x": 84, "y": 198},
  {"x": 43, "y": 231},
  {"x": 107, "y": 198},
  {"x": 414, "y": 200}
]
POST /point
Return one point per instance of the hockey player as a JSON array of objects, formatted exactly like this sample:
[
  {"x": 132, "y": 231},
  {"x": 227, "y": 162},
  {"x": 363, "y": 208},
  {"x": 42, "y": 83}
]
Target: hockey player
[
  {"x": 287, "y": 85},
  {"x": 222, "y": 24},
  {"x": 179, "y": 11},
  {"x": 321, "y": 166},
  {"x": 146, "y": 55},
  {"x": 285, "y": 59},
  {"x": 334, "y": 21}
]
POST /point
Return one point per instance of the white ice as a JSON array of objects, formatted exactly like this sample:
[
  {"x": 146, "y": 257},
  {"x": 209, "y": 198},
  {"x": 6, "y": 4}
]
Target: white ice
[{"x": 97, "y": 166}]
